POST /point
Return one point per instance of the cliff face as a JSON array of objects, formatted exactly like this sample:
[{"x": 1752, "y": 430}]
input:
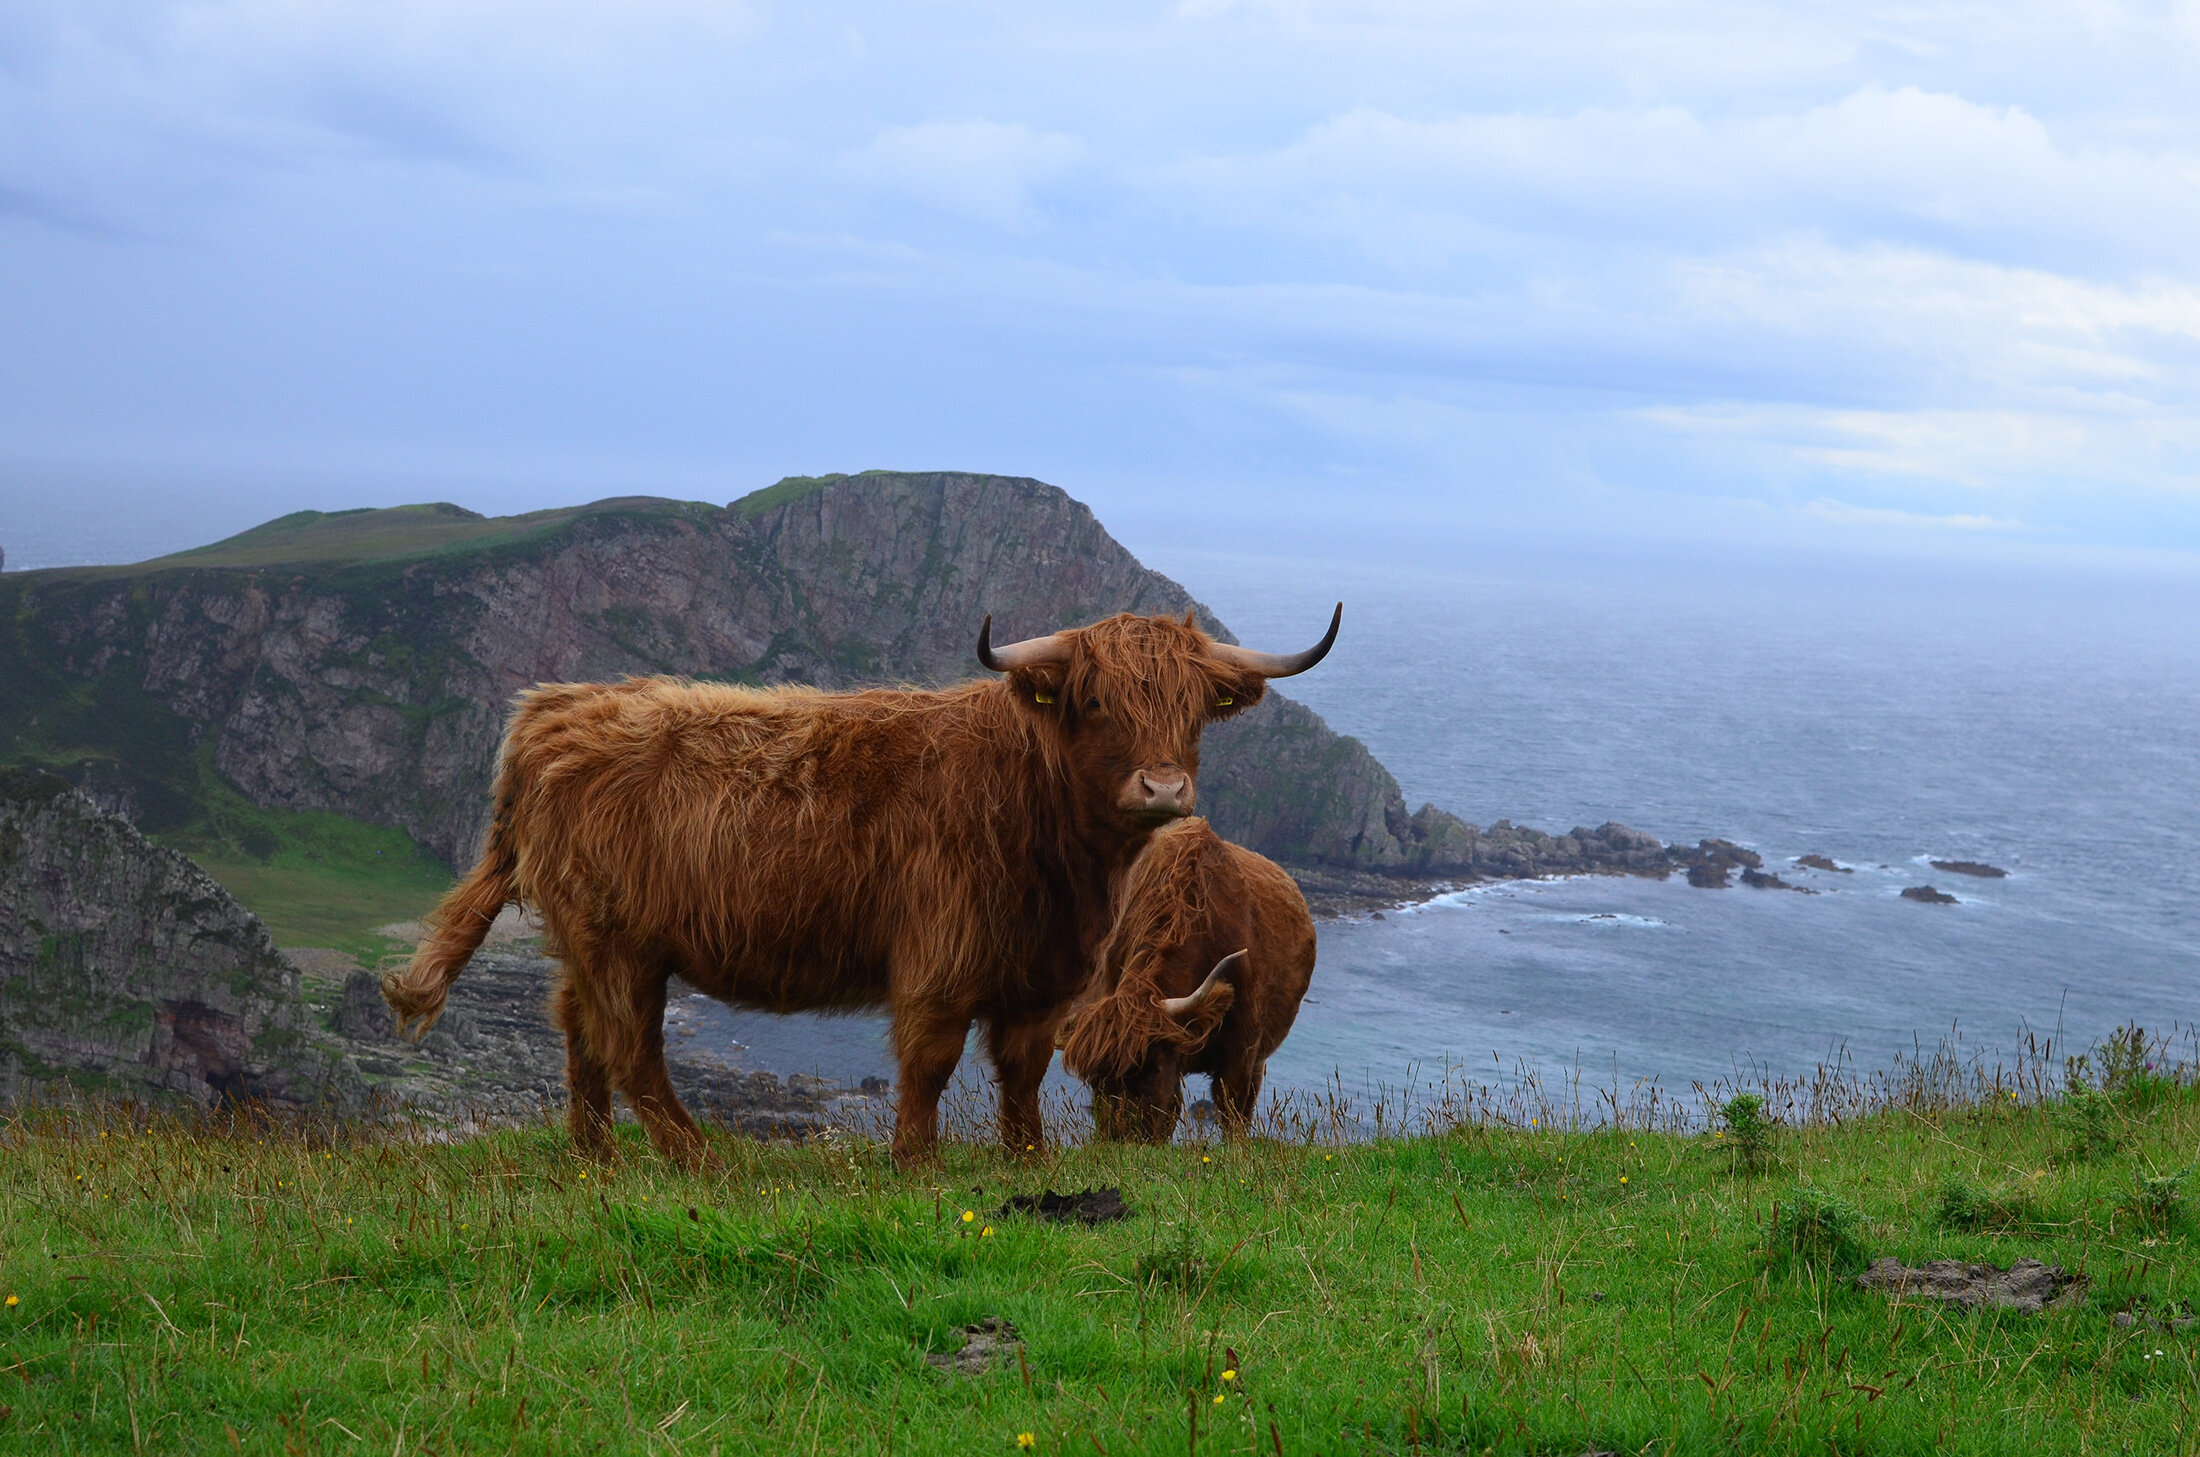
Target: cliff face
[
  {"x": 124, "y": 969},
  {"x": 363, "y": 662},
  {"x": 377, "y": 688}
]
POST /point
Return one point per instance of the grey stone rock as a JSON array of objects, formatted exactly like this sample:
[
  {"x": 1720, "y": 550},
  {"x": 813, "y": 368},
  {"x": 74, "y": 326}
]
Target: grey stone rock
[{"x": 127, "y": 972}]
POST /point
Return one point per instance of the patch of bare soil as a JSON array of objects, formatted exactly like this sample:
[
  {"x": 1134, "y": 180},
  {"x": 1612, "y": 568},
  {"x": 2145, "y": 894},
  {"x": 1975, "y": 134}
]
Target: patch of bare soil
[
  {"x": 512, "y": 924},
  {"x": 318, "y": 963},
  {"x": 2027, "y": 1285},
  {"x": 1086, "y": 1206},
  {"x": 991, "y": 1342}
]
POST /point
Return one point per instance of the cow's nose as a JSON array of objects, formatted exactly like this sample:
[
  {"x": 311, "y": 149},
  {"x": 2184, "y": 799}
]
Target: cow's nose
[{"x": 1166, "y": 794}]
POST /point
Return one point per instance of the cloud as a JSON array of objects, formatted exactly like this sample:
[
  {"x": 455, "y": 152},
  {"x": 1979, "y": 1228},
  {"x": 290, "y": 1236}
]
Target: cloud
[
  {"x": 985, "y": 170},
  {"x": 1887, "y": 165},
  {"x": 1915, "y": 255},
  {"x": 1841, "y": 513}
]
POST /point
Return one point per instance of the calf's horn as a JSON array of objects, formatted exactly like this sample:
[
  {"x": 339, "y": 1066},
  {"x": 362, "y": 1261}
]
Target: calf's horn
[
  {"x": 1281, "y": 665},
  {"x": 1029, "y": 653},
  {"x": 1182, "y": 1007}
]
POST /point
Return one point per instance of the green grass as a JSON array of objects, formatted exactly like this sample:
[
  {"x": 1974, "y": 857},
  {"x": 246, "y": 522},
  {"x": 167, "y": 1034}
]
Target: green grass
[
  {"x": 1483, "y": 1290},
  {"x": 316, "y": 878},
  {"x": 398, "y": 533}
]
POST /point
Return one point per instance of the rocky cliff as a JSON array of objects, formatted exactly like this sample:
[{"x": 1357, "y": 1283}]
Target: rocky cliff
[
  {"x": 362, "y": 662},
  {"x": 125, "y": 970}
]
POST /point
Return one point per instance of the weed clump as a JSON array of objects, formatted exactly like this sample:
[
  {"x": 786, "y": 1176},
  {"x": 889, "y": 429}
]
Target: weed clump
[
  {"x": 1816, "y": 1225},
  {"x": 1178, "y": 1263},
  {"x": 1748, "y": 1132},
  {"x": 2158, "y": 1200},
  {"x": 2088, "y": 1119},
  {"x": 1973, "y": 1208}
]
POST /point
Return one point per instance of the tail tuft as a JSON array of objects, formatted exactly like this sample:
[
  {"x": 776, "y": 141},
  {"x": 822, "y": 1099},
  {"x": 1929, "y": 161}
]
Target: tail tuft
[{"x": 455, "y": 931}]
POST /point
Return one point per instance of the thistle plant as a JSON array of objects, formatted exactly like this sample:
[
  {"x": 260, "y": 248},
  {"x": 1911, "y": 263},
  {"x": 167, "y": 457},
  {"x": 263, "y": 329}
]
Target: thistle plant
[{"x": 1748, "y": 1133}]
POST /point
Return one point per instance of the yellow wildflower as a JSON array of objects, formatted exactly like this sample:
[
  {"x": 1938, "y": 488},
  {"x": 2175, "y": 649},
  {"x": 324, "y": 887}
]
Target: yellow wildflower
[
  {"x": 1230, "y": 1375},
  {"x": 1026, "y": 1440},
  {"x": 1220, "y": 1397},
  {"x": 13, "y": 1302},
  {"x": 986, "y": 1233},
  {"x": 969, "y": 1215}
]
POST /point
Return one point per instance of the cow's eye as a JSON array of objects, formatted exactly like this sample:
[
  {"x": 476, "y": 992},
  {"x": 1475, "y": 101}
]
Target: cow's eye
[{"x": 1092, "y": 705}]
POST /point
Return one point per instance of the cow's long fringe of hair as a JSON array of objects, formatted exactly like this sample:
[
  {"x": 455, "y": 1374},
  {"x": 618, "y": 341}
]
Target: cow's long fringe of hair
[{"x": 1163, "y": 907}]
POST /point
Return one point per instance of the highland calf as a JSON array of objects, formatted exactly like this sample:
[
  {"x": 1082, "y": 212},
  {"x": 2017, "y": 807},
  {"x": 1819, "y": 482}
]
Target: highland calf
[
  {"x": 1211, "y": 950},
  {"x": 944, "y": 854}
]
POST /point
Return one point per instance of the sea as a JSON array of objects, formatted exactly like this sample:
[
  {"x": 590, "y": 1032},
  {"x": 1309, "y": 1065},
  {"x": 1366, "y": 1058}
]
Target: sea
[
  {"x": 1881, "y": 714},
  {"x": 1880, "y": 711}
]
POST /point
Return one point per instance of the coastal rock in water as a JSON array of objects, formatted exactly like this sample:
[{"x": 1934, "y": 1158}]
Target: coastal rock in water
[
  {"x": 1710, "y": 861},
  {"x": 1820, "y": 862},
  {"x": 1766, "y": 880},
  {"x": 1970, "y": 867},
  {"x": 1929, "y": 896},
  {"x": 125, "y": 971},
  {"x": 2027, "y": 1285}
]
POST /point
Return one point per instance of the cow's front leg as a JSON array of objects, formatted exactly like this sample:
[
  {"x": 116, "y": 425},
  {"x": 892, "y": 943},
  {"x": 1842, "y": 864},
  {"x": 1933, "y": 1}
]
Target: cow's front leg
[
  {"x": 1021, "y": 1051},
  {"x": 1237, "y": 1090},
  {"x": 926, "y": 1050}
]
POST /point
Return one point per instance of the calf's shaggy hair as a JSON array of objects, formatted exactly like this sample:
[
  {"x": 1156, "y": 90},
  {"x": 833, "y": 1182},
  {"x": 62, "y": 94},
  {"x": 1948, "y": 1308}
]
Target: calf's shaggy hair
[{"x": 1189, "y": 902}]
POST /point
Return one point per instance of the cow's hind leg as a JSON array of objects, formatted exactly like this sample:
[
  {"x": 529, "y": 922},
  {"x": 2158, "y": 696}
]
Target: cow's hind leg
[
  {"x": 587, "y": 1080},
  {"x": 633, "y": 995},
  {"x": 1020, "y": 1053}
]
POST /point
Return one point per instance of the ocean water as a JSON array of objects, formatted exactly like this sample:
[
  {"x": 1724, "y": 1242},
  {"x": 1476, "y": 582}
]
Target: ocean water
[{"x": 2038, "y": 721}]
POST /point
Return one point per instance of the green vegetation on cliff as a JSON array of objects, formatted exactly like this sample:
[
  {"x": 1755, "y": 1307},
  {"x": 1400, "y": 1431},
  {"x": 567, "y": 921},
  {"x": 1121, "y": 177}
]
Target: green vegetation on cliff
[{"x": 1481, "y": 1289}]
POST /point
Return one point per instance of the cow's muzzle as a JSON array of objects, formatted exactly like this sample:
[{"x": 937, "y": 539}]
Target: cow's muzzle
[{"x": 1164, "y": 793}]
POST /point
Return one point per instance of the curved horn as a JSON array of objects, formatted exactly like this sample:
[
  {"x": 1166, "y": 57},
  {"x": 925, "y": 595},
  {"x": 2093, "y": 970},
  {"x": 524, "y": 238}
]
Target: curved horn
[
  {"x": 1026, "y": 654},
  {"x": 1282, "y": 665},
  {"x": 1182, "y": 1007}
]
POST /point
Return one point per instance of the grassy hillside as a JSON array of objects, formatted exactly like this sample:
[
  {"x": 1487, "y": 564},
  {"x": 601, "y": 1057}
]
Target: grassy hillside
[
  {"x": 317, "y": 879},
  {"x": 1484, "y": 1290}
]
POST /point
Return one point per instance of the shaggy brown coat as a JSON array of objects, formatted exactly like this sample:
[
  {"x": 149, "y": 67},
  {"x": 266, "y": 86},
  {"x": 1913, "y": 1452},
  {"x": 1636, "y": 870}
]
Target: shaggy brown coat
[
  {"x": 944, "y": 854},
  {"x": 1189, "y": 901}
]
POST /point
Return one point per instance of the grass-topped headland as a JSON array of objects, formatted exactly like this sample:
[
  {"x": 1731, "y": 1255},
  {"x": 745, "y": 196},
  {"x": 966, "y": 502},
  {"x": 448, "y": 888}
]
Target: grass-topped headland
[{"x": 1481, "y": 1287}]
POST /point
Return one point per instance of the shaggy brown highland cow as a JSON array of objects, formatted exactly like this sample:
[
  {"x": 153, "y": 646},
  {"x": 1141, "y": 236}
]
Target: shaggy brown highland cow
[
  {"x": 944, "y": 854},
  {"x": 1202, "y": 971}
]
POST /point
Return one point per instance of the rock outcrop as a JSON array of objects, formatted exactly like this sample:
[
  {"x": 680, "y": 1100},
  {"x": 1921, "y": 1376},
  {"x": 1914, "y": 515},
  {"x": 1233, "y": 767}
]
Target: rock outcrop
[
  {"x": 364, "y": 662},
  {"x": 126, "y": 971},
  {"x": 1971, "y": 868}
]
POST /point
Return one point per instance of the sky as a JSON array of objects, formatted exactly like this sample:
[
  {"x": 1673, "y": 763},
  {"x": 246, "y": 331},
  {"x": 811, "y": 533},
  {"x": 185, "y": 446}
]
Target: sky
[{"x": 1918, "y": 278}]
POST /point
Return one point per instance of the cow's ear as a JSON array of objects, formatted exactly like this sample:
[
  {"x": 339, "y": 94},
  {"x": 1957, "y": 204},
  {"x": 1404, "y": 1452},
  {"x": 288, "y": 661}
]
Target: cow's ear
[
  {"x": 1038, "y": 687},
  {"x": 1234, "y": 694}
]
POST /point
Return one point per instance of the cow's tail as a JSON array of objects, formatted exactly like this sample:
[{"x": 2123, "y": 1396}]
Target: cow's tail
[{"x": 455, "y": 931}]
